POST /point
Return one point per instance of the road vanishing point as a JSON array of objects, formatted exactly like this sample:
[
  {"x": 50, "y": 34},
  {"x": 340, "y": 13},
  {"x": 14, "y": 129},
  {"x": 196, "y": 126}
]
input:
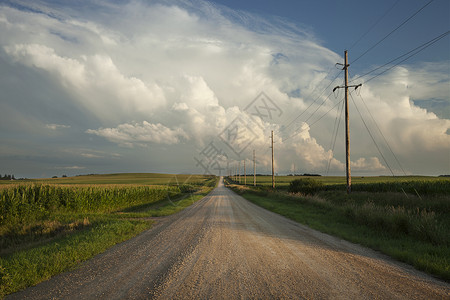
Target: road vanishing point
[{"x": 224, "y": 247}]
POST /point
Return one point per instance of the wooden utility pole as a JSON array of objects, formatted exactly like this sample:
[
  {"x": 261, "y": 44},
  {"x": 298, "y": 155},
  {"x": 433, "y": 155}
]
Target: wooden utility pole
[
  {"x": 239, "y": 172},
  {"x": 254, "y": 169},
  {"x": 273, "y": 173},
  {"x": 347, "y": 134},
  {"x": 245, "y": 175}
]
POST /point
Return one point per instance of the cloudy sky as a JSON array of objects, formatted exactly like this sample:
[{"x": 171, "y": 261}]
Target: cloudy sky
[{"x": 192, "y": 86}]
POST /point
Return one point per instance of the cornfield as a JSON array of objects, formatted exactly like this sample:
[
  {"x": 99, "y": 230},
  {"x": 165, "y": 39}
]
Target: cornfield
[{"x": 28, "y": 203}]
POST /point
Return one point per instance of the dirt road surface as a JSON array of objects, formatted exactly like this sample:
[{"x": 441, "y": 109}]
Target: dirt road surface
[{"x": 224, "y": 247}]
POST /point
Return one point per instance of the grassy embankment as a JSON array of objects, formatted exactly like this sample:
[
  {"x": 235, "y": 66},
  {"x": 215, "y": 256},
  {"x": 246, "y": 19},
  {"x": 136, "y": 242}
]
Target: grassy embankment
[
  {"x": 407, "y": 218},
  {"x": 49, "y": 226}
]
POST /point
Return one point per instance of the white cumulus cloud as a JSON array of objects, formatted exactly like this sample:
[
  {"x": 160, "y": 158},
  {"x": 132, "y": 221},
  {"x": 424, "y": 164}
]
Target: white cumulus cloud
[{"x": 140, "y": 134}]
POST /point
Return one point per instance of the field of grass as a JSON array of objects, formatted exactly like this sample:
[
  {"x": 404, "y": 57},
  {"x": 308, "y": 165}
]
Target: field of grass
[
  {"x": 49, "y": 226},
  {"x": 119, "y": 178},
  {"x": 283, "y": 181},
  {"x": 407, "y": 218}
]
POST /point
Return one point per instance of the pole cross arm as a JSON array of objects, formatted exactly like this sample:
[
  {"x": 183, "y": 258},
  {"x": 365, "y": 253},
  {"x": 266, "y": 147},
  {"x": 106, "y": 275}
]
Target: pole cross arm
[{"x": 348, "y": 86}]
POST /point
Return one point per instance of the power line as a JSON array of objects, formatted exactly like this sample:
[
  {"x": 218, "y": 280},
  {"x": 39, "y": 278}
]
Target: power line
[
  {"x": 371, "y": 136},
  {"x": 392, "y": 31},
  {"x": 335, "y": 134},
  {"x": 318, "y": 107},
  {"x": 423, "y": 48},
  {"x": 312, "y": 124},
  {"x": 385, "y": 140},
  {"x": 418, "y": 49},
  {"x": 315, "y": 100},
  {"x": 282, "y": 129},
  {"x": 375, "y": 24}
]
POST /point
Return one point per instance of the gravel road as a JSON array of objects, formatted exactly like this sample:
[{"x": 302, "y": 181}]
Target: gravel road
[{"x": 225, "y": 247}]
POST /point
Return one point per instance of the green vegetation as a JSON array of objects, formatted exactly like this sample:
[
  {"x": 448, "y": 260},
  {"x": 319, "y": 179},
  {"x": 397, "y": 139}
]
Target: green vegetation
[
  {"x": 408, "y": 219},
  {"x": 307, "y": 186},
  {"x": 49, "y": 226},
  {"x": 284, "y": 181},
  {"x": 119, "y": 178}
]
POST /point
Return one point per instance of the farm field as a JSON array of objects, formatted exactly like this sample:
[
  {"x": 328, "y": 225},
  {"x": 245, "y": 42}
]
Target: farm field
[
  {"x": 48, "y": 226},
  {"x": 283, "y": 181},
  {"x": 119, "y": 178},
  {"x": 407, "y": 218}
]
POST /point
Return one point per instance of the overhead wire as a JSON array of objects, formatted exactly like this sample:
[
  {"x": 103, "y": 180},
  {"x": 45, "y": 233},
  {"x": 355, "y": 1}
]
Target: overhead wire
[
  {"x": 313, "y": 123},
  {"x": 335, "y": 133},
  {"x": 418, "y": 49},
  {"x": 284, "y": 128},
  {"x": 415, "y": 53},
  {"x": 315, "y": 100},
  {"x": 318, "y": 107},
  {"x": 385, "y": 140},
  {"x": 392, "y": 31},
  {"x": 371, "y": 136},
  {"x": 375, "y": 24}
]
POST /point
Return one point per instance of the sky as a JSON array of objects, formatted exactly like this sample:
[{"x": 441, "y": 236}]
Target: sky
[{"x": 193, "y": 86}]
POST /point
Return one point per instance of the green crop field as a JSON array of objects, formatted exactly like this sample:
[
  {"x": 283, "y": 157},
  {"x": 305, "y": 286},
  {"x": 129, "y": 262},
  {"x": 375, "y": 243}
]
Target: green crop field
[
  {"x": 283, "y": 181},
  {"x": 50, "y": 225},
  {"x": 405, "y": 184},
  {"x": 120, "y": 178}
]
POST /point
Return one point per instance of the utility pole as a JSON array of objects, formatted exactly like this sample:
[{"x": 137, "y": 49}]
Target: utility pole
[
  {"x": 245, "y": 175},
  {"x": 239, "y": 172},
  {"x": 254, "y": 169},
  {"x": 273, "y": 173},
  {"x": 347, "y": 134}
]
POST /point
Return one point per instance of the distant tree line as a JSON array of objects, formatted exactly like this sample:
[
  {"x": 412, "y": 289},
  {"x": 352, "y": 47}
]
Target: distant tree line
[{"x": 7, "y": 177}]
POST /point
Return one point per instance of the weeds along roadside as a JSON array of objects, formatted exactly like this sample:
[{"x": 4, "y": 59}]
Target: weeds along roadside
[
  {"x": 47, "y": 229},
  {"x": 405, "y": 226}
]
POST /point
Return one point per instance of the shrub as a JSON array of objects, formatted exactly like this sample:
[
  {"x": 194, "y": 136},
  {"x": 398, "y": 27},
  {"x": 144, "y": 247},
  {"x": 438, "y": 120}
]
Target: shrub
[
  {"x": 306, "y": 186},
  {"x": 187, "y": 188}
]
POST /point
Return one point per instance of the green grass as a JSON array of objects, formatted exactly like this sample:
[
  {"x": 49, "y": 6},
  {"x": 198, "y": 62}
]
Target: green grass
[
  {"x": 47, "y": 228},
  {"x": 283, "y": 181},
  {"x": 413, "y": 229},
  {"x": 31, "y": 266}
]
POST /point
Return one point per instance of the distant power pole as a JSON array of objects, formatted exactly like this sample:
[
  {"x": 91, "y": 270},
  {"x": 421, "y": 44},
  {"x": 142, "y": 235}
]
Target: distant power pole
[
  {"x": 239, "y": 172},
  {"x": 273, "y": 173},
  {"x": 254, "y": 169},
  {"x": 347, "y": 135},
  {"x": 245, "y": 175}
]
